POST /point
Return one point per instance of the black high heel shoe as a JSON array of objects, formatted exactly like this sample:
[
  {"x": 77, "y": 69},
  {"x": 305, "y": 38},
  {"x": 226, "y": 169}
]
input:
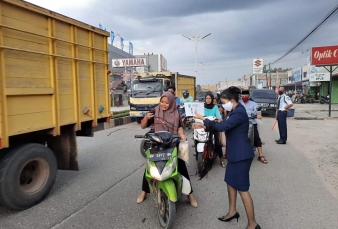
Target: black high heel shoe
[
  {"x": 236, "y": 216},
  {"x": 258, "y": 227}
]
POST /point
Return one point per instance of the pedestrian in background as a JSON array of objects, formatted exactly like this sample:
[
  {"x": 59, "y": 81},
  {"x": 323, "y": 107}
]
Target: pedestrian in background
[{"x": 284, "y": 103}]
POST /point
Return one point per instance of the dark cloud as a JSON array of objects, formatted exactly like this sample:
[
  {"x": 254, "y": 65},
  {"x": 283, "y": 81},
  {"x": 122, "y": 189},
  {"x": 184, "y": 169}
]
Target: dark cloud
[{"x": 240, "y": 30}]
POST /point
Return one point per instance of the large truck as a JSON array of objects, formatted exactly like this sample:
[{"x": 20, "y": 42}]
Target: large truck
[
  {"x": 54, "y": 86},
  {"x": 147, "y": 88}
]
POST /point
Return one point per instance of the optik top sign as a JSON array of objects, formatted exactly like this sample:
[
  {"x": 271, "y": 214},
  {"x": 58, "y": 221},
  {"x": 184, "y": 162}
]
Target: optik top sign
[
  {"x": 129, "y": 62},
  {"x": 325, "y": 55}
]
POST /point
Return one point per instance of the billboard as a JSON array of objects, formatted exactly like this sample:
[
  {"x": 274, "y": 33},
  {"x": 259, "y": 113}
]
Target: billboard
[
  {"x": 257, "y": 66},
  {"x": 325, "y": 55},
  {"x": 296, "y": 74},
  {"x": 319, "y": 77},
  {"x": 129, "y": 62},
  {"x": 162, "y": 63}
]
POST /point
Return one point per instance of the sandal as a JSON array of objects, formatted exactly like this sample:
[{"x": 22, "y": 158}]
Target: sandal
[
  {"x": 222, "y": 162},
  {"x": 262, "y": 159}
]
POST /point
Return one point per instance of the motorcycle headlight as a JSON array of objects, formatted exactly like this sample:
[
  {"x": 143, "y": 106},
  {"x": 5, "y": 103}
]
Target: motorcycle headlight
[
  {"x": 167, "y": 171},
  {"x": 272, "y": 105},
  {"x": 156, "y": 138}
]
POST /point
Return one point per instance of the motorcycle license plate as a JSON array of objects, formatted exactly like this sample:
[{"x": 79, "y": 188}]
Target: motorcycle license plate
[{"x": 160, "y": 157}]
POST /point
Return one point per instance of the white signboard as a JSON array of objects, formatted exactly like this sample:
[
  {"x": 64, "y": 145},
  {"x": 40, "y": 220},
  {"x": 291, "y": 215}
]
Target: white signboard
[
  {"x": 141, "y": 70},
  {"x": 129, "y": 62},
  {"x": 192, "y": 107},
  {"x": 310, "y": 68},
  {"x": 257, "y": 66},
  {"x": 319, "y": 77}
]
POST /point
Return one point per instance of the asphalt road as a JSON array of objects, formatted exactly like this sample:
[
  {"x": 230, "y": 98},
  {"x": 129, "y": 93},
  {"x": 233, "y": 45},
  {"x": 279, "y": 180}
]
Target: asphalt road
[{"x": 287, "y": 192}]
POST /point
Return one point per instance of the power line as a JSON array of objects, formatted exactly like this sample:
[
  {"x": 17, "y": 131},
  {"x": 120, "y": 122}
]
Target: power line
[{"x": 332, "y": 13}]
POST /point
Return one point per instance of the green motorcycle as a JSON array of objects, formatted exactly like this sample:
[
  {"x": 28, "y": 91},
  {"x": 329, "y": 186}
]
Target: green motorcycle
[{"x": 165, "y": 182}]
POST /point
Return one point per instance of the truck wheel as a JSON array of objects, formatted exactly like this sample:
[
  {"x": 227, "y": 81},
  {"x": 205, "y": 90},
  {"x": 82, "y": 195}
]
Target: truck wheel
[{"x": 27, "y": 174}]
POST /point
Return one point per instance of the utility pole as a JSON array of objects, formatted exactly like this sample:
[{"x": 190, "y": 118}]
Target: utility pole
[
  {"x": 269, "y": 76},
  {"x": 196, "y": 40},
  {"x": 148, "y": 64}
]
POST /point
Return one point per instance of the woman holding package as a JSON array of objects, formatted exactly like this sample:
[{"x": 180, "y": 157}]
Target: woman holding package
[
  {"x": 210, "y": 109},
  {"x": 166, "y": 118},
  {"x": 239, "y": 154}
]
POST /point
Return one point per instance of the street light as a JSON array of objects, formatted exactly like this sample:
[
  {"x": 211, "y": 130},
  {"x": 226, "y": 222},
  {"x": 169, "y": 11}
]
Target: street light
[{"x": 196, "y": 40}]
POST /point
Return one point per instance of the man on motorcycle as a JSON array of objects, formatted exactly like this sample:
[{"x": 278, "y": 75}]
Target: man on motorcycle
[
  {"x": 251, "y": 110},
  {"x": 172, "y": 90},
  {"x": 186, "y": 97}
]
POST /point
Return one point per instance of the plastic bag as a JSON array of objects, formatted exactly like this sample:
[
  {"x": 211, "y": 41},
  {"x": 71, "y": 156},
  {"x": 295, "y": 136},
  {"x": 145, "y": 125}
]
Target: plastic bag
[{"x": 183, "y": 151}]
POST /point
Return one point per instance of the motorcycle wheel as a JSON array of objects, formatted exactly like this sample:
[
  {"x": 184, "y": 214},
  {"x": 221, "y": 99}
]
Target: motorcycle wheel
[
  {"x": 199, "y": 160},
  {"x": 166, "y": 212},
  {"x": 144, "y": 146}
]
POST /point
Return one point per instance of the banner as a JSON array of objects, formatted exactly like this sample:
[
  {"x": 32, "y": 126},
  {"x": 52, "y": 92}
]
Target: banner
[
  {"x": 112, "y": 36},
  {"x": 122, "y": 45},
  {"x": 131, "y": 51},
  {"x": 297, "y": 74}
]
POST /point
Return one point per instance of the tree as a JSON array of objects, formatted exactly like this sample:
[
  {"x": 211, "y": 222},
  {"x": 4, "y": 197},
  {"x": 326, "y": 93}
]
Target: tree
[{"x": 274, "y": 70}]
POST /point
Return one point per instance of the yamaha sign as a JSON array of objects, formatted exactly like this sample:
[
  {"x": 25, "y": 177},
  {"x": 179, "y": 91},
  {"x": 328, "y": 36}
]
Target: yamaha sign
[{"x": 129, "y": 62}]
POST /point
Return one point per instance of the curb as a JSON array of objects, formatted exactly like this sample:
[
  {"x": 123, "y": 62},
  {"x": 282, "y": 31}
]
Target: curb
[
  {"x": 315, "y": 118},
  {"x": 113, "y": 123}
]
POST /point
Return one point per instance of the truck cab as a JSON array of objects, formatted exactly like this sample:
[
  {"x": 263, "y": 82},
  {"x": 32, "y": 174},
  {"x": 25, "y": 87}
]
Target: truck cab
[{"x": 145, "y": 93}]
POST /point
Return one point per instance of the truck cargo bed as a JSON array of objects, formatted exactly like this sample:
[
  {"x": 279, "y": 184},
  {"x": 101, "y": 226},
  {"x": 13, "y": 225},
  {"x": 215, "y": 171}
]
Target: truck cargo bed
[{"x": 53, "y": 71}]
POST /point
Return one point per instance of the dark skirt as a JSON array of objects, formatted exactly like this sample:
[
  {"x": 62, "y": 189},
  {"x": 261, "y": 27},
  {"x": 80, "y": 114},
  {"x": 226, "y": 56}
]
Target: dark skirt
[{"x": 237, "y": 174}]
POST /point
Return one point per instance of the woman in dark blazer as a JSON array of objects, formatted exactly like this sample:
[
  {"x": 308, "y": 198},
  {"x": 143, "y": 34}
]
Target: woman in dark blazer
[{"x": 239, "y": 154}]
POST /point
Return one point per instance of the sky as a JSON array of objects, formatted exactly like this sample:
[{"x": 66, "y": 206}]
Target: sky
[{"x": 240, "y": 30}]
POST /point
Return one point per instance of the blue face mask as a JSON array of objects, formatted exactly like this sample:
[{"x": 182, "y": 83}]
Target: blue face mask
[{"x": 280, "y": 92}]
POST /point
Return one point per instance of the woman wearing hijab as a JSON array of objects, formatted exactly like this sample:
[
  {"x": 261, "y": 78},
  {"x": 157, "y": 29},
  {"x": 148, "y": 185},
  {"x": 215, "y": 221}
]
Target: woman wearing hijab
[
  {"x": 239, "y": 154},
  {"x": 210, "y": 109},
  {"x": 166, "y": 118}
]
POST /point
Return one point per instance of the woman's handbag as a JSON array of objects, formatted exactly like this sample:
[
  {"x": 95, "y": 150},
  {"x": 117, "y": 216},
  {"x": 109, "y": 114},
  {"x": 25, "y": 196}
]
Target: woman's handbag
[{"x": 183, "y": 151}]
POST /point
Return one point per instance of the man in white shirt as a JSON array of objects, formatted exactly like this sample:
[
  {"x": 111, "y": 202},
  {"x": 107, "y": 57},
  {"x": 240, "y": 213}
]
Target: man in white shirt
[{"x": 284, "y": 103}]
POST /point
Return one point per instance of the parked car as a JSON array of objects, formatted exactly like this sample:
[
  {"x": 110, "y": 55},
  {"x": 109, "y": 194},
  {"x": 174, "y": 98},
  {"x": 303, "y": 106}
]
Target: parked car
[
  {"x": 201, "y": 95},
  {"x": 266, "y": 100}
]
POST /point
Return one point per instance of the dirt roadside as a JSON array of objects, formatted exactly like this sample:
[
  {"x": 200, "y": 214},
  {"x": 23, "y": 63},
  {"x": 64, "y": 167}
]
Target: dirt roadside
[{"x": 318, "y": 141}]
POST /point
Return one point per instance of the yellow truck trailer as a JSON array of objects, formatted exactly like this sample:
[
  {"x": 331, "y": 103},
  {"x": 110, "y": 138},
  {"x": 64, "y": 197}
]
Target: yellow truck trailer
[
  {"x": 53, "y": 87},
  {"x": 146, "y": 90}
]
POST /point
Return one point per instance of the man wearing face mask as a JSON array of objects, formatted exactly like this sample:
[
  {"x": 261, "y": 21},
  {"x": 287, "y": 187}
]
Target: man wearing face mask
[
  {"x": 284, "y": 103},
  {"x": 251, "y": 110}
]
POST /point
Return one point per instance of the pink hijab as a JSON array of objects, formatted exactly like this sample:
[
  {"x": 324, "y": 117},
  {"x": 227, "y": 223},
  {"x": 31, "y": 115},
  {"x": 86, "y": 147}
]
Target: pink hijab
[{"x": 167, "y": 120}]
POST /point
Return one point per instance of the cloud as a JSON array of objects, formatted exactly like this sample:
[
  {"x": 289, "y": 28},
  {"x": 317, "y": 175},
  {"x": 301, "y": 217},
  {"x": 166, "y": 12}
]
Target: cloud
[{"x": 240, "y": 30}]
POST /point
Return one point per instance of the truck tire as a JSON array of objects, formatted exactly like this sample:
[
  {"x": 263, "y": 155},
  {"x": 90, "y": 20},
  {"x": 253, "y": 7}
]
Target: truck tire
[{"x": 27, "y": 174}]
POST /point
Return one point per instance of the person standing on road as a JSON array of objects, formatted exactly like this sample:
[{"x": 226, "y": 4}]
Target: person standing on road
[
  {"x": 251, "y": 108},
  {"x": 239, "y": 154},
  {"x": 284, "y": 103},
  {"x": 210, "y": 109},
  {"x": 167, "y": 119}
]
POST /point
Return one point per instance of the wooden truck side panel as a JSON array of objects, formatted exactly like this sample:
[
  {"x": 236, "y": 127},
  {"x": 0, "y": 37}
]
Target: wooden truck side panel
[
  {"x": 184, "y": 82},
  {"x": 53, "y": 70}
]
